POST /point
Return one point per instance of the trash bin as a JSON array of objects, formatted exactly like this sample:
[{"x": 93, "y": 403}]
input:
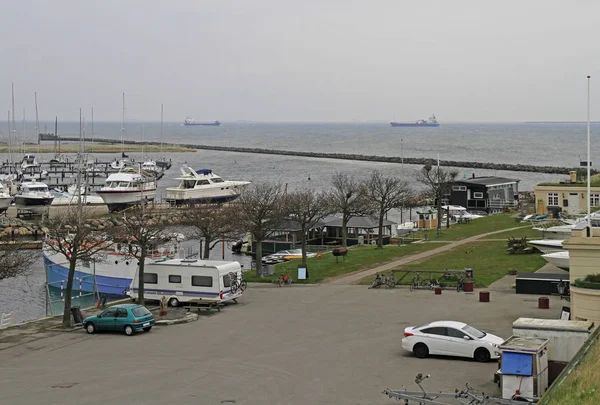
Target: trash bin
[
  {"x": 77, "y": 317},
  {"x": 469, "y": 273}
]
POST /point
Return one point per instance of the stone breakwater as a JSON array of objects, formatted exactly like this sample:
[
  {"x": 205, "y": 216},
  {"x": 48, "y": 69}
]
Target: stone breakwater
[{"x": 366, "y": 158}]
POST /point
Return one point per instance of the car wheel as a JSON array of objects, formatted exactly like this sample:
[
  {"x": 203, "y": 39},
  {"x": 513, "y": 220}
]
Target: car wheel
[
  {"x": 482, "y": 355},
  {"x": 90, "y": 328},
  {"x": 147, "y": 329},
  {"x": 174, "y": 302},
  {"x": 421, "y": 350},
  {"x": 129, "y": 330}
]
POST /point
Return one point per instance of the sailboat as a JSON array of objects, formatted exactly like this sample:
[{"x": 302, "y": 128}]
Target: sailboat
[
  {"x": 124, "y": 161},
  {"x": 58, "y": 159}
]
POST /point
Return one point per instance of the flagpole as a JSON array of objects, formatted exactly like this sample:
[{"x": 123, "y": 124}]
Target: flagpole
[{"x": 589, "y": 180}]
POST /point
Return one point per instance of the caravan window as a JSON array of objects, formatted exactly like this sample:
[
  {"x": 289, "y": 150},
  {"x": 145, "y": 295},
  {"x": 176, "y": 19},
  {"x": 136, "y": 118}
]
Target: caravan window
[
  {"x": 174, "y": 279},
  {"x": 202, "y": 281},
  {"x": 226, "y": 280},
  {"x": 150, "y": 278}
]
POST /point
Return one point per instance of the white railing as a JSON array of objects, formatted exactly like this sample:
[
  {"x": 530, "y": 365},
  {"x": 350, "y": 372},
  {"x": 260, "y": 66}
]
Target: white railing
[{"x": 6, "y": 320}]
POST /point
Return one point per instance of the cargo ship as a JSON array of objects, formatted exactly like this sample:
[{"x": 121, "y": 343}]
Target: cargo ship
[
  {"x": 189, "y": 121},
  {"x": 431, "y": 122}
]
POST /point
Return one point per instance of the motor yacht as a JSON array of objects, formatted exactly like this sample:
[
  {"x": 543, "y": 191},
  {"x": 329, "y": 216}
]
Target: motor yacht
[
  {"x": 5, "y": 198},
  {"x": 203, "y": 185},
  {"x": 130, "y": 186},
  {"x": 558, "y": 259},
  {"x": 547, "y": 245},
  {"x": 33, "y": 197}
]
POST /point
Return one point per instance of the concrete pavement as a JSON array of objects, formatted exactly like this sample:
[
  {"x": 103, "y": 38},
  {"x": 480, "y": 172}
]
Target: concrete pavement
[{"x": 327, "y": 344}]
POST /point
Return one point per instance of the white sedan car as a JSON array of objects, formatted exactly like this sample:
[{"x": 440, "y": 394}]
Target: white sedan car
[{"x": 449, "y": 338}]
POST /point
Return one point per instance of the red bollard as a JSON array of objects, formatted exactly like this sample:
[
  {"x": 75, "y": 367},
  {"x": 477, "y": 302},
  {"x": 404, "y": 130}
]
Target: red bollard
[
  {"x": 544, "y": 303},
  {"x": 438, "y": 290},
  {"x": 484, "y": 296}
]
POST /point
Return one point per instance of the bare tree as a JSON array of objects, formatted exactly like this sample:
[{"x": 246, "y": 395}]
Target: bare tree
[
  {"x": 260, "y": 210},
  {"x": 348, "y": 198},
  {"x": 437, "y": 181},
  {"x": 307, "y": 208},
  {"x": 14, "y": 261},
  {"x": 143, "y": 227},
  {"x": 212, "y": 222},
  {"x": 387, "y": 193},
  {"x": 71, "y": 235}
]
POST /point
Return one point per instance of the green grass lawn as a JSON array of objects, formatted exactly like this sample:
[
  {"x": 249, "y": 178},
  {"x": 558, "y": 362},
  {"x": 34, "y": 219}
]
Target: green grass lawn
[
  {"x": 489, "y": 260},
  {"x": 490, "y": 223},
  {"x": 359, "y": 258},
  {"x": 528, "y": 232}
]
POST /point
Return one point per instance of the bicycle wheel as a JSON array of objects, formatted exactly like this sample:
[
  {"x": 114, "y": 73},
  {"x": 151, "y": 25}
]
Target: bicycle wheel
[
  {"x": 243, "y": 285},
  {"x": 234, "y": 287},
  {"x": 412, "y": 285}
]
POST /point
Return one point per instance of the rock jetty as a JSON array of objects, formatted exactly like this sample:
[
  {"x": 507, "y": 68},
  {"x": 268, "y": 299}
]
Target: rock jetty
[{"x": 358, "y": 157}]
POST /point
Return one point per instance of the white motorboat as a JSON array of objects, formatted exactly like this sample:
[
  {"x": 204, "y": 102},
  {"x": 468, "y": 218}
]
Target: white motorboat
[
  {"x": 547, "y": 245},
  {"x": 34, "y": 197},
  {"x": 31, "y": 169},
  {"x": 66, "y": 198},
  {"x": 8, "y": 173},
  {"x": 558, "y": 259},
  {"x": 5, "y": 199},
  {"x": 128, "y": 187},
  {"x": 151, "y": 166},
  {"x": 459, "y": 212},
  {"x": 203, "y": 186}
]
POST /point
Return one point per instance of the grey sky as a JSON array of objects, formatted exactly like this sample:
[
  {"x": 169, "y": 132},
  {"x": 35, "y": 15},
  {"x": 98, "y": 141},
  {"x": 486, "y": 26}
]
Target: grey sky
[{"x": 280, "y": 60}]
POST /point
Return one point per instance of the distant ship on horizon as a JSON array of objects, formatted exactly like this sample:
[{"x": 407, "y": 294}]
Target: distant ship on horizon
[
  {"x": 430, "y": 122},
  {"x": 189, "y": 121}
]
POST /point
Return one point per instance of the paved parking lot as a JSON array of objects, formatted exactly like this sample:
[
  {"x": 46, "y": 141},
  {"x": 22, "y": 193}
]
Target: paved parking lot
[{"x": 329, "y": 344}]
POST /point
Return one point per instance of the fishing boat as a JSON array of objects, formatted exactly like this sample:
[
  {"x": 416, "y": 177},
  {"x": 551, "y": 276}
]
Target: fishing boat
[
  {"x": 130, "y": 186},
  {"x": 558, "y": 259},
  {"x": 430, "y": 122},
  {"x": 33, "y": 197},
  {"x": 189, "y": 121},
  {"x": 203, "y": 185}
]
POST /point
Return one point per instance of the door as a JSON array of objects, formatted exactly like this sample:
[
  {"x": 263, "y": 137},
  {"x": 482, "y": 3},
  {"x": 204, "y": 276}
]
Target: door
[
  {"x": 107, "y": 319},
  {"x": 121, "y": 319},
  {"x": 573, "y": 203},
  {"x": 436, "y": 340},
  {"x": 458, "y": 345}
]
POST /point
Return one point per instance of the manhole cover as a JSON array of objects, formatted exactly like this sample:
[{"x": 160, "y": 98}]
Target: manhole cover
[{"x": 64, "y": 385}]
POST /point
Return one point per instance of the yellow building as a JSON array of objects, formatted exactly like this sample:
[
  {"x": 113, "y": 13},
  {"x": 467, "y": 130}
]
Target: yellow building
[{"x": 565, "y": 197}]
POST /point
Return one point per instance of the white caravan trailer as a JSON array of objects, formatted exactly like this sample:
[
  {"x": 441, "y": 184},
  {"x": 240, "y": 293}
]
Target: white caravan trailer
[{"x": 184, "y": 280}]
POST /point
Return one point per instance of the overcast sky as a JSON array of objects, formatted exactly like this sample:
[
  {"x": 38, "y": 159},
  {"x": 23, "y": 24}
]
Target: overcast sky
[{"x": 309, "y": 60}]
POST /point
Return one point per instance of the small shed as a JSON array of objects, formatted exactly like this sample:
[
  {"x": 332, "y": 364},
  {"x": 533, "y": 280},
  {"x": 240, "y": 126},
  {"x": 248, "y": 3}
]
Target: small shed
[
  {"x": 360, "y": 229},
  {"x": 427, "y": 219}
]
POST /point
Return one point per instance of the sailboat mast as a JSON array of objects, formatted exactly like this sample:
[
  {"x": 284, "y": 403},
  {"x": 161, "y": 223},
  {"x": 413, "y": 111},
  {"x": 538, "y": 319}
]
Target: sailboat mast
[
  {"x": 123, "y": 128},
  {"x": 37, "y": 122},
  {"x": 55, "y": 132},
  {"x": 14, "y": 127},
  {"x": 79, "y": 160},
  {"x": 92, "y": 129},
  {"x": 23, "y": 134},
  {"x": 9, "y": 141},
  {"x": 161, "y": 127}
]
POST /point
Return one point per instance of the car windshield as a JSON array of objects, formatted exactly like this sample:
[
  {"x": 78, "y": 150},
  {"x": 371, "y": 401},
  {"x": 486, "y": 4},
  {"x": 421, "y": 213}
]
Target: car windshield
[
  {"x": 140, "y": 311},
  {"x": 474, "y": 332}
]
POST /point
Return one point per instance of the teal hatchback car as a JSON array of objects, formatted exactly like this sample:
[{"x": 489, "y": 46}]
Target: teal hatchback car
[{"x": 127, "y": 318}]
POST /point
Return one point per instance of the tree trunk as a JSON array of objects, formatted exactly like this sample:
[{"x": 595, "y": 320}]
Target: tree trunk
[
  {"x": 142, "y": 261},
  {"x": 206, "y": 249},
  {"x": 303, "y": 245},
  {"x": 258, "y": 258},
  {"x": 448, "y": 218},
  {"x": 380, "y": 236},
  {"x": 345, "y": 220},
  {"x": 66, "y": 323},
  {"x": 439, "y": 217}
]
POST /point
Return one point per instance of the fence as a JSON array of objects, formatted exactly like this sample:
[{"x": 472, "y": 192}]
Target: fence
[{"x": 84, "y": 293}]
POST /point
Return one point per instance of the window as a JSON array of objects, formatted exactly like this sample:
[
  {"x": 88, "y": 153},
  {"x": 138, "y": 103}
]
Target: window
[
  {"x": 150, "y": 278},
  {"x": 109, "y": 313},
  {"x": 226, "y": 280},
  {"x": 478, "y": 194},
  {"x": 216, "y": 180},
  {"x": 474, "y": 332},
  {"x": 456, "y": 333},
  {"x": 594, "y": 200},
  {"x": 459, "y": 188},
  {"x": 140, "y": 311},
  {"x": 553, "y": 199},
  {"x": 202, "y": 281},
  {"x": 437, "y": 330},
  {"x": 173, "y": 278},
  {"x": 121, "y": 313},
  {"x": 202, "y": 182}
]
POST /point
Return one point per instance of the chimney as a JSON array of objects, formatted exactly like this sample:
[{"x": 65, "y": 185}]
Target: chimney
[{"x": 573, "y": 176}]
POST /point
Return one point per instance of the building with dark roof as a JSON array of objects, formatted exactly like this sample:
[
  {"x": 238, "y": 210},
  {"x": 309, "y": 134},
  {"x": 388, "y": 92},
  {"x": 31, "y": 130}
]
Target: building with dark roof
[{"x": 489, "y": 194}]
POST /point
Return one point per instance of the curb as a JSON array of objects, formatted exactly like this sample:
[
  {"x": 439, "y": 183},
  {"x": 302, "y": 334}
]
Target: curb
[{"x": 191, "y": 317}]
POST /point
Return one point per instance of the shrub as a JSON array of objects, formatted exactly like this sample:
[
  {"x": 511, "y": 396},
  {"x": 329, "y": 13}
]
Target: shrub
[{"x": 592, "y": 278}]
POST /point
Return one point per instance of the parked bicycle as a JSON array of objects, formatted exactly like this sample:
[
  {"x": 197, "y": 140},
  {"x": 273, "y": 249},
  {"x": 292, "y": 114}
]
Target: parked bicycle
[
  {"x": 382, "y": 280},
  {"x": 237, "y": 284},
  {"x": 460, "y": 285},
  {"x": 283, "y": 279}
]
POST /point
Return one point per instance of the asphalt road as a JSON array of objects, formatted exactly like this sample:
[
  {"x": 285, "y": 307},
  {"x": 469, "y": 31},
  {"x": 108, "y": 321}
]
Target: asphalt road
[{"x": 328, "y": 344}]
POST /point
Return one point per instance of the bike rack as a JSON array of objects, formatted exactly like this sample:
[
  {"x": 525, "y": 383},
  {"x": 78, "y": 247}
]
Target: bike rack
[{"x": 465, "y": 397}]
